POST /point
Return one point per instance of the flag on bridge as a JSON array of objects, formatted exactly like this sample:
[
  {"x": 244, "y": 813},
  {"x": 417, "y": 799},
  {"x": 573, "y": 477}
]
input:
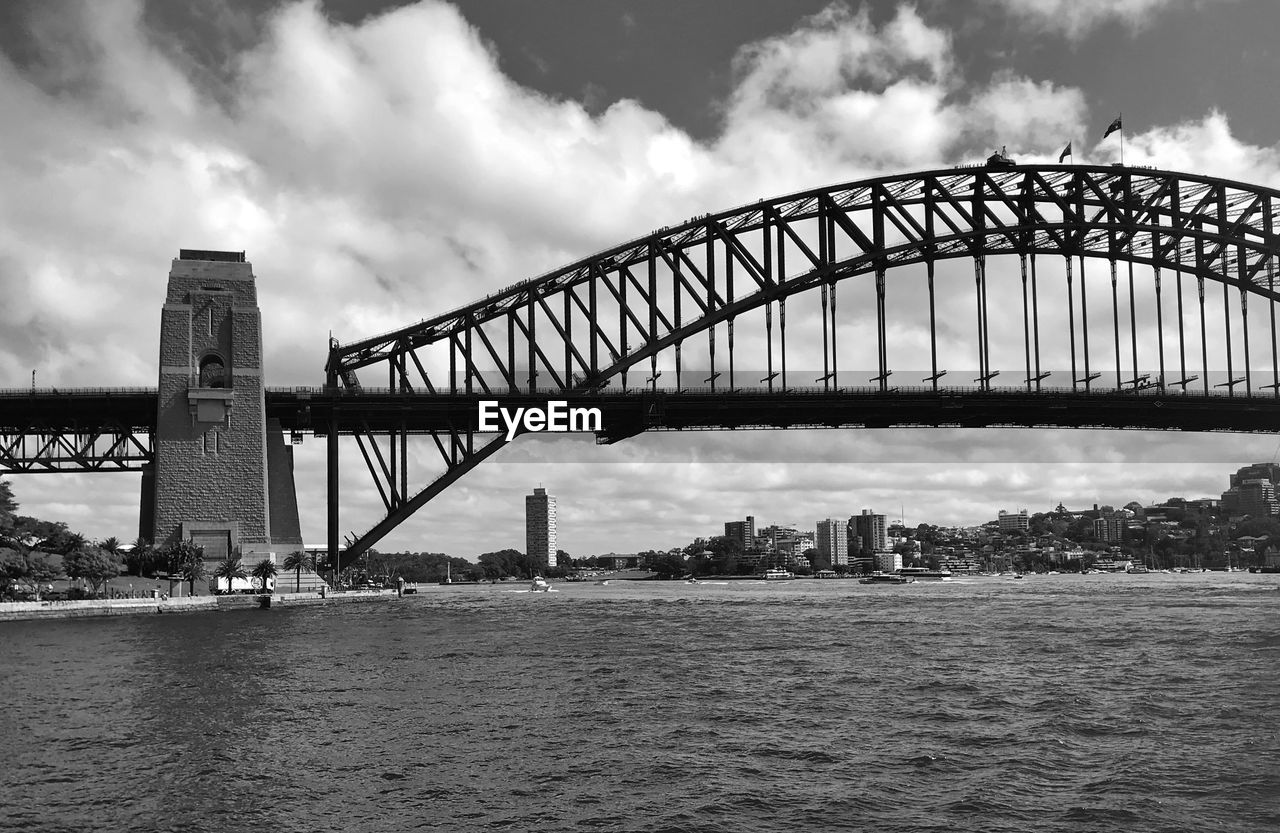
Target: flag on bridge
[
  {"x": 1066, "y": 151},
  {"x": 1113, "y": 127}
]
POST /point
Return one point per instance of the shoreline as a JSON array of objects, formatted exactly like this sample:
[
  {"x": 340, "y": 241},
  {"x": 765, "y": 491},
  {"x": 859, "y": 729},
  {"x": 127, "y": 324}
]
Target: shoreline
[{"x": 91, "y": 608}]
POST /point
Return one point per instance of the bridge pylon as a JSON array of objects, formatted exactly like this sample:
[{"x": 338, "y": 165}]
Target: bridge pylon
[{"x": 222, "y": 476}]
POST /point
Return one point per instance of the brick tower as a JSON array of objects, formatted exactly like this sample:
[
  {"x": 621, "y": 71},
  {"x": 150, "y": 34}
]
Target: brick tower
[{"x": 223, "y": 476}]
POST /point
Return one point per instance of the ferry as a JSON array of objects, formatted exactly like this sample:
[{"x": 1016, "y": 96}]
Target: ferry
[
  {"x": 925, "y": 575},
  {"x": 885, "y": 578},
  {"x": 775, "y": 574}
]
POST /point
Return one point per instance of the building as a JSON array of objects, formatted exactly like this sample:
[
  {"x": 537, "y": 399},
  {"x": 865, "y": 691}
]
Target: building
[
  {"x": 1256, "y": 497},
  {"x": 540, "y": 528},
  {"x": 832, "y": 541},
  {"x": 1110, "y": 526},
  {"x": 744, "y": 532},
  {"x": 1010, "y": 522},
  {"x": 1247, "y": 493},
  {"x": 888, "y": 562},
  {"x": 868, "y": 533}
]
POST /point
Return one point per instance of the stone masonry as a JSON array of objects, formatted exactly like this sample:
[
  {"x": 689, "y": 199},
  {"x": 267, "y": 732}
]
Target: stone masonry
[{"x": 210, "y": 481}]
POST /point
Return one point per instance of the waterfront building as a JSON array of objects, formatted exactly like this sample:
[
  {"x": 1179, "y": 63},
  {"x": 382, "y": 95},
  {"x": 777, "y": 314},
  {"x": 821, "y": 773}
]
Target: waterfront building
[
  {"x": 888, "y": 562},
  {"x": 1013, "y": 522},
  {"x": 868, "y": 533},
  {"x": 540, "y": 528},
  {"x": 832, "y": 541},
  {"x": 744, "y": 532}
]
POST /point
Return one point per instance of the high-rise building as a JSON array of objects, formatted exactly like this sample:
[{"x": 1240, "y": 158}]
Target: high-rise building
[
  {"x": 1256, "y": 497},
  {"x": 1014, "y": 522},
  {"x": 1110, "y": 526},
  {"x": 833, "y": 542},
  {"x": 868, "y": 533},
  {"x": 1246, "y": 495},
  {"x": 540, "y": 528},
  {"x": 744, "y": 532}
]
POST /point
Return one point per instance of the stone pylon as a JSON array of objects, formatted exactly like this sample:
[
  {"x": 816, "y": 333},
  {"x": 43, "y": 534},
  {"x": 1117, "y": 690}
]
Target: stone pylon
[{"x": 223, "y": 475}]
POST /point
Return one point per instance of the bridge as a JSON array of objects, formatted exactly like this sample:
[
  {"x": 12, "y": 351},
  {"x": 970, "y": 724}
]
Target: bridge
[{"x": 967, "y": 296}]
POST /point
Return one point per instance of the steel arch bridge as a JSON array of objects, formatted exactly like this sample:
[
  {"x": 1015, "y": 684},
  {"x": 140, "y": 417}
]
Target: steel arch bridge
[{"x": 1175, "y": 352}]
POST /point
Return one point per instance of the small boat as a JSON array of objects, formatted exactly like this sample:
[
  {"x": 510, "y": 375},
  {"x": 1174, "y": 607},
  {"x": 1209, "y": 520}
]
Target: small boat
[
  {"x": 539, "y": 585},
  {"x": 885, "y": 578},
  {"x": 775, "y": 574}
]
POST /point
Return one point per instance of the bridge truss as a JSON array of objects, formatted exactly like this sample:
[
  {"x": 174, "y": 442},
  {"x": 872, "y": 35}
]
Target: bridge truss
[
  {"x": 644, "y": 307},
  {"x": 46, "y": 431}
]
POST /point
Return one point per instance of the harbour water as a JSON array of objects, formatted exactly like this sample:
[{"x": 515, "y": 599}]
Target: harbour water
[{"x": 1053, "y": 703}]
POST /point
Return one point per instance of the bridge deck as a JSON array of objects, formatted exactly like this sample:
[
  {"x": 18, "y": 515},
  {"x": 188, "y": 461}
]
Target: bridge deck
[{"x": 625, "y": 414}]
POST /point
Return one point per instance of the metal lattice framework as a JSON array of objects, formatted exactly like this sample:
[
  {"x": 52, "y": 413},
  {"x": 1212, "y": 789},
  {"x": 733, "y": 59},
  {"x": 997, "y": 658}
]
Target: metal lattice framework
[
  {"x": 76, "y": 431},
  {"x": 581, "y": 329}
]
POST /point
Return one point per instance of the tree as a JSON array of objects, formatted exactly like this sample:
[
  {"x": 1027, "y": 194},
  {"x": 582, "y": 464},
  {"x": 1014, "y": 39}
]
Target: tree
[
  {"x": 230, "y": 568},
  {"x": 299, "y": 560},
  {"x": 143, "y": 559},
  {"x": 111, "y": 545},
  {"x": 184, "y": 560},
  {"x": 264, "y": 570},
  {"x": 667, "y": 564},
  {"x": 31, "y": 570},
  {"x": 95, "y": 565},
  {"x": 8, "y": 506},
  {"x": 503, "y": 563},
  {"x": 817, "y": 560}
]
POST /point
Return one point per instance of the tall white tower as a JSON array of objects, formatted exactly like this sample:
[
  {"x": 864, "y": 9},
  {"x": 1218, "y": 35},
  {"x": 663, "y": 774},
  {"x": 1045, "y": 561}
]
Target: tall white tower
[{"x": 540, "y": 528}]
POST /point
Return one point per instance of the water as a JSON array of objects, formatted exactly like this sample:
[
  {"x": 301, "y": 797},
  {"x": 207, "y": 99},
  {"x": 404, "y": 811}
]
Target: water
[{"x": 1055, "y": 703}]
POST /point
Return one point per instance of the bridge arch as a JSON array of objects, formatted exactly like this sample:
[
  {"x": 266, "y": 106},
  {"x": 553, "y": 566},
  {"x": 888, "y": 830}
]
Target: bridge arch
[{"x": 640, "y": 306}]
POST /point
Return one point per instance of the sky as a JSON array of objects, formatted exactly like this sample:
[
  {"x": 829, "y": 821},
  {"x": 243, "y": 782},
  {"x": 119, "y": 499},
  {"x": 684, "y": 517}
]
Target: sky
[{"x": 381, "y": 162}]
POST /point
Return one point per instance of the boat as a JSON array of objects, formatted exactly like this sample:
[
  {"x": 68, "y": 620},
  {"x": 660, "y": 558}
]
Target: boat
[
  {"x": 1137, "y": 569},
  {"x": 775, "y": 574},
  {"x": 539, "y": 585},
  {"x": 886, "y": 579},
  {"x": 924, "y": 574}
]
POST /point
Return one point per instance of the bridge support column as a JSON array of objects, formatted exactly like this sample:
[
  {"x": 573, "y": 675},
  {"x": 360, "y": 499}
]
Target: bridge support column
[
  {"x": 212, "y": 481},
  {"x": 332, "y": 492}
]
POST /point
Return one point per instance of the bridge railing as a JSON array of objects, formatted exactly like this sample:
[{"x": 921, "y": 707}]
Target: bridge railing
[{"x": 17, "y": 393}]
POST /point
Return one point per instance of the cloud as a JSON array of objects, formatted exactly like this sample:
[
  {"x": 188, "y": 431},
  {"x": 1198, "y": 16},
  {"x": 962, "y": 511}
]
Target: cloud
[{"x": 1075, "y": 18}]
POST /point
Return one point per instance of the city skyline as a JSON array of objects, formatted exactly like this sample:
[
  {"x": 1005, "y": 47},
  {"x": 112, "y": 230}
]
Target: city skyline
[{"x": 382, "y": 162}]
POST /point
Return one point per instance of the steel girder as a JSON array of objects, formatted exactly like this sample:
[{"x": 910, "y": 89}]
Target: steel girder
[
  {"x": 76, "y": 431},
  {"x": 585, "y": 326}
]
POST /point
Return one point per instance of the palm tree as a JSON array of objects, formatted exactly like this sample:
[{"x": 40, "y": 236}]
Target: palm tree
[
  {"x": 230, "y": 568},
  {"x": 263, "y": 570},
  {"x": 193, "y": 570},
  {"x": 298, "y": 561},
  {"x": 185, "y": 560},
  {"x": 110, "y": 545}
]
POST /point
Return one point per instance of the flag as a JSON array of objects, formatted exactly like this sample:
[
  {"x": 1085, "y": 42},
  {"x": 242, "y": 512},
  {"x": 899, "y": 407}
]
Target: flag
[
  {"x": 1066, "y": 151},
  {"x": 1113, "y": 127}
]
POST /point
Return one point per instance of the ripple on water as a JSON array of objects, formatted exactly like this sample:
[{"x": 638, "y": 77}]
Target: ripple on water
[{"x": 1079, "y": 706}]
